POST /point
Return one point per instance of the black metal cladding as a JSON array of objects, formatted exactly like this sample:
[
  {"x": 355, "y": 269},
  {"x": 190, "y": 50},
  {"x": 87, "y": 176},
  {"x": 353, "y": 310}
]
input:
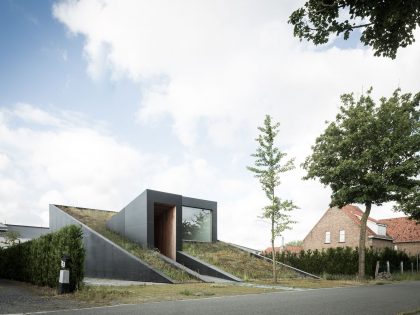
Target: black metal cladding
[{"x": 136, "y": 220}]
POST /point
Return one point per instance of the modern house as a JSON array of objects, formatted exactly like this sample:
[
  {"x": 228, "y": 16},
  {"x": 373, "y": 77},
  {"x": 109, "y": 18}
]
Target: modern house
[
  {"x": 162, "y": 220},
  {"x": 405, "y": 234},
  {"x": 341, "y": 228},
  {"x": 24, "y": 233},
  {"x": 155, "y": 220}
]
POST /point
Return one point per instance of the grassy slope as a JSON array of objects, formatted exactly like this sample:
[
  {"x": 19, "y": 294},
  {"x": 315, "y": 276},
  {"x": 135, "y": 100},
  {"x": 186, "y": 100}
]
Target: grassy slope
[
  {"x": 96, "y": 220},
  {"x": 235, "y": 261}
]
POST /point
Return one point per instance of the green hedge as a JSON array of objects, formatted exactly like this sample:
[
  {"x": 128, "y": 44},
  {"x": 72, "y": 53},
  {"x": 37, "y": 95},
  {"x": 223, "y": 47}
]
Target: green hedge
[
  {"x": 38, "y": 261},
  {"x": 344, "y": 261}
]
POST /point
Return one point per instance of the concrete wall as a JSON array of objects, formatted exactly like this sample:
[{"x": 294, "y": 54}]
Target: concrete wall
[
  {"x": 333, "y": 221},
  {"x": 136, "y": 220},
  {"x": 204, "y": 268},
  {"x": 105, "y": 259},
  {"x": 117, "y": 222},
  {"x": 27, "y": 233}
]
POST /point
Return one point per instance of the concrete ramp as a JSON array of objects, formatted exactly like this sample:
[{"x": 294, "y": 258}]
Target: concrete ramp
[{"x": 204, "y": 268}]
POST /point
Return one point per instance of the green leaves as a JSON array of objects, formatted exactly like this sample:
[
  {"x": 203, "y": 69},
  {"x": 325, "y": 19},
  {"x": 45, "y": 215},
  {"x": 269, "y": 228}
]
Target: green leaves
[
  {"x": 387, "y": 25},
  {"x": 38, "y": 261},
  {"x": 268, "y": 167},
  {"x": 371, "y": 152}
]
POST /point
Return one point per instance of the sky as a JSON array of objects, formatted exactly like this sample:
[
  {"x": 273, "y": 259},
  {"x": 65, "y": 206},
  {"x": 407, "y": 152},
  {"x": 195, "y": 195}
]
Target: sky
[{"x": 101, "y": 99}]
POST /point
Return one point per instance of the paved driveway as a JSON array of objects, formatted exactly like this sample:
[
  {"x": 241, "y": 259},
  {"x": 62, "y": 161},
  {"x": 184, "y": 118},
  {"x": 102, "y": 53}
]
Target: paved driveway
[{"x": 17, "y": 297}]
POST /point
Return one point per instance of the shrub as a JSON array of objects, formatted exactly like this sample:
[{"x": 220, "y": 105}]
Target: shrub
[
  {"x": 344, "y": 261},
  {"x": 38, "y": 261}
]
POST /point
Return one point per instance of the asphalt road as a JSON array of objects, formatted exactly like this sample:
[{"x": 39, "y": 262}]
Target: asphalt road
[
  {"x": 376, "y": 299},
  {"x": 18, "y": 297}
]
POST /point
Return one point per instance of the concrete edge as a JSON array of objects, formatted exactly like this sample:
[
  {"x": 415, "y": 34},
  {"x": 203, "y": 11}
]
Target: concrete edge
[
  {"x": 269, "y": 259},
  {"x": 116, "y": 246},
  {"x": 223, "y": 273},
  {"x": 182, "y": 267}
]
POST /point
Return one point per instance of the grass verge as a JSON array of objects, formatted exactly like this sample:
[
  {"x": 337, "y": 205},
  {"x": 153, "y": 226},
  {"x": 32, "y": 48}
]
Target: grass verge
[
  {"x": 235, "y": 261},
  {"x": 306, "y": 283},
  {"x": 103, "y": 295},
  {"x": 96, "y": 220},
  {"x": 406, "y": 276},
  {"x": 412, "y": 312}
]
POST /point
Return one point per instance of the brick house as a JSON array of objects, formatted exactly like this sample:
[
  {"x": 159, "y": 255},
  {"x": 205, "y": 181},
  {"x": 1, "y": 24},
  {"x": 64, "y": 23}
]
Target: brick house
[
  {"x": 341, "y": 228},
  {"x": 405, "y": 234},
  {"x": 280, "y": 249}
]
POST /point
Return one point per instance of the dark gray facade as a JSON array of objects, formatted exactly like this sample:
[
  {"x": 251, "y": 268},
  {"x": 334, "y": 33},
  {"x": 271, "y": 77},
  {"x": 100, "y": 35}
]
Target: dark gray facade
[
  {"x": 153, "y": 220},
  {"x": 105, "y": 259},
  {"x": 204, "y": 268},
  {"x": 137, "y": 221},
  {"x": 28, "y": 232}
]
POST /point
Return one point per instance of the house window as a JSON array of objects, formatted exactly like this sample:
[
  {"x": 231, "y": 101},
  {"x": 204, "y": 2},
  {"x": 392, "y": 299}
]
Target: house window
[
  {"x": 342, "y": 236},
  {"x": 196, "y": 224},
  {"x": 327, "y": 237}
]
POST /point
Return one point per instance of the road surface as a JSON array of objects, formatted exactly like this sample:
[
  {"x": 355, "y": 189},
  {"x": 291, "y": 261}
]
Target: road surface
[{"x": 374, "y": 299}]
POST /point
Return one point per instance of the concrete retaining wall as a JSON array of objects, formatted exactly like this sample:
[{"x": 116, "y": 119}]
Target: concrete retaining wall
[
  {"x": 204, "y": 268},
  {"x": 104, "y": 259}
]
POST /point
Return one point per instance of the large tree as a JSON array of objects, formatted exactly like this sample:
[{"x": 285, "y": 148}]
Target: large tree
[
  {"x": 370, "y": 155},
  {"x": 386, "y": 24},
  {"x": 267, "y": 168}
]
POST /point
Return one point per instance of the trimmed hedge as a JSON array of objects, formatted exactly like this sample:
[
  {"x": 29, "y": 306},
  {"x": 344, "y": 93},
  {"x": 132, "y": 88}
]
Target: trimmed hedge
[
  {"x": 38, "y": 261},
  {"x": 344, "y": 261}
]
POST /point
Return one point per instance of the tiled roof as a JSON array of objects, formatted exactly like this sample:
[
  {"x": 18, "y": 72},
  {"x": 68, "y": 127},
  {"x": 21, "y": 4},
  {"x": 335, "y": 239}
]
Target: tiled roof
[
  {"x": 402, "y": 229},
  {"x": 287, "y": 248},
  {"x": 355, "y": 214}
]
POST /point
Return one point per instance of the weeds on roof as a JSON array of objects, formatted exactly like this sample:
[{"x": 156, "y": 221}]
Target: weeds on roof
[
  {"x": 235, "y": 261},
  {"x": 96, "y": 220}
]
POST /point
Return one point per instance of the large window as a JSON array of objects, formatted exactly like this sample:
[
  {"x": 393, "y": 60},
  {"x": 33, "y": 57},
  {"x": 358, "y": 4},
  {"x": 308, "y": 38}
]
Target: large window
[{"x": 196, "y": 224}]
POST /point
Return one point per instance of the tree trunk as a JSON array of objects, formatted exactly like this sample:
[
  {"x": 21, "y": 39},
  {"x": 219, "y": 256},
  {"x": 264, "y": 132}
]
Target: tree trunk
[
  {"x": 273, "y": 249},
  {"x": 362, "y": 239}
]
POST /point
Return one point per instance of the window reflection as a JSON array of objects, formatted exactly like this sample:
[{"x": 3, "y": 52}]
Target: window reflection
[{"x": 196, "y": 224}]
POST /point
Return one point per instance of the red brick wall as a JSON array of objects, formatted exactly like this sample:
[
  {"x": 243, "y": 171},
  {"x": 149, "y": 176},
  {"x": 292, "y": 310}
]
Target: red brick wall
[
  {"x": 380, "y": 244},
  {"x": 333, "y": 221},
  {"x": 412, "y": 248}
]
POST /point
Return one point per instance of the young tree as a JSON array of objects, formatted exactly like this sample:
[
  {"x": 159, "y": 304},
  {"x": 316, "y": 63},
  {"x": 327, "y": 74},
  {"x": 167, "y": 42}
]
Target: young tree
[
  {"x": 268, "y": 167},
  {"x": 387, "y": 25},
  {"x": 370, "y": 155}
]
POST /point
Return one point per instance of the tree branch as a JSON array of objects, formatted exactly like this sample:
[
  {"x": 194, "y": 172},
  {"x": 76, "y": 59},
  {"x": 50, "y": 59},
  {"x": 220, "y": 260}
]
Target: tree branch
[{"x": 348, "y": 28}]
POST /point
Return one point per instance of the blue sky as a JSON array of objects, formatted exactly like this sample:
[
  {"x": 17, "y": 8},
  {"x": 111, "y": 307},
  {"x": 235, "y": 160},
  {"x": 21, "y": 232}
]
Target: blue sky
[
  {"x": 43, "y": 64},
  {"x": 102, "y": 99}
]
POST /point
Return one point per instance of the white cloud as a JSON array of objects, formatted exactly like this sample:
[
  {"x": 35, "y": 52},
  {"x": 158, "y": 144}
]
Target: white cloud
[
  {"x": 215, "y": 68},
  {"x": 67, "y": 163}
]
